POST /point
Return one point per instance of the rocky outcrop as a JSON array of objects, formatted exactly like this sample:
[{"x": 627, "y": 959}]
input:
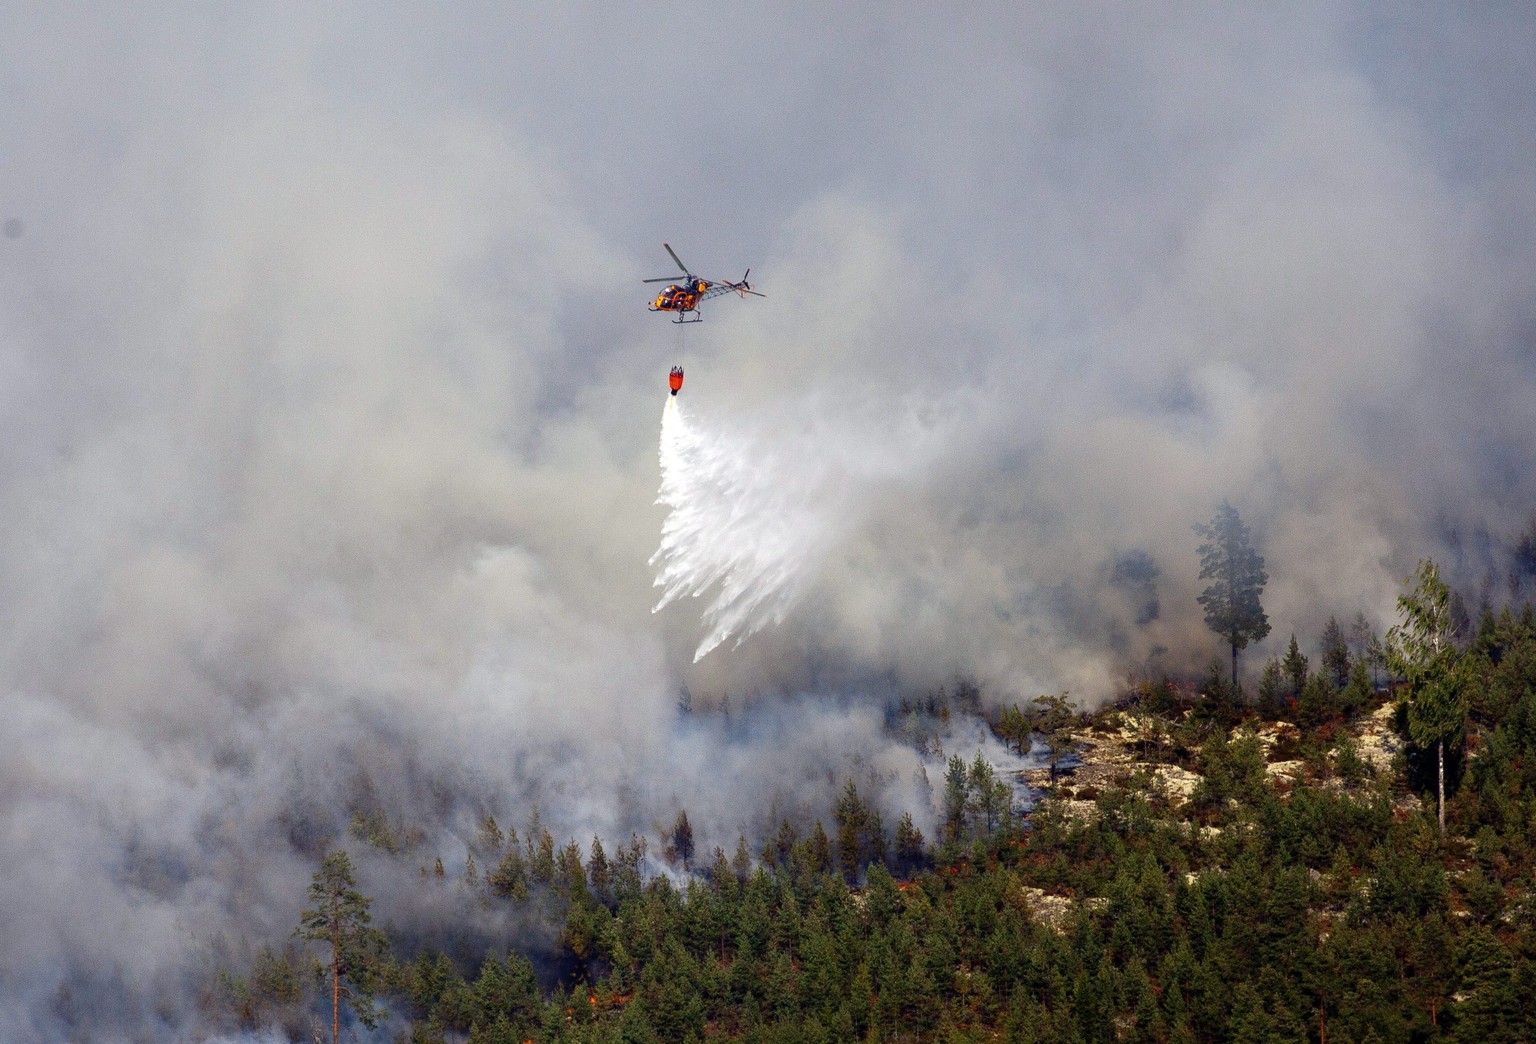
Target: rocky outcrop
[
  {"x": 1107, "y": 755},
  {"x": 1377, "y": 741}
]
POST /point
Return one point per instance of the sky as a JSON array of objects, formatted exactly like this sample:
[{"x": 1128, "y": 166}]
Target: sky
[{"x": 331, "y": 408}]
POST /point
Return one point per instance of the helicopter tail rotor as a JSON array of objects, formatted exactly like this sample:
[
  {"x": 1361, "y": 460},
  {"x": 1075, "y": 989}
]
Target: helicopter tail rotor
[{"x": 744, "y": 288}]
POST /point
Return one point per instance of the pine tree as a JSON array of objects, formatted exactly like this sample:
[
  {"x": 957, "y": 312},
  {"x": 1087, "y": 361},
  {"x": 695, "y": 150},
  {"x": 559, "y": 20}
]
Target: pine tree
[
  {"x": 1295, "y": 667},
  {"x": 741, "y": 862},
  {"x": 1231, "y": 602},
  {"x": 851, "y": 815},
  {"x": 678, "y": 842},
  {"x": 1360, "y": 636},
  {"x": 877, "y": 847},
  {"x": 541, "y": 850},
  {"x": 339, "y": 918},
  {"x": 543, "y": 862},
  {"x": 628, "y": 867},
  {"x": 1376, "y": 656},
  {"x": 571, "y": 872},
  {"x": 273, "y": 976},
  {"x": 818, "y": 850},
  {"x": 1271, "y": 687},
  {"x": 1317, "y": 702},
  {"x": 956, "y": 800},
  {"x": 490, "y": 839},
  {"x": 1335, "y": 654},
  {"x": 990, "y": 796},
  {"x": 510, "y": 878},
  {"x": 1013, "y": 727},
  {"x": 910, "y": 854},
  {"x": 599, "y": 872},
  {"x": 1220, "y": 695},
  {"x": 1522, "y": 566},
  {"x": 784, "y": 842},
  {"x": 1357, "y": 691},
  {"x": 1053, "y": 717}
]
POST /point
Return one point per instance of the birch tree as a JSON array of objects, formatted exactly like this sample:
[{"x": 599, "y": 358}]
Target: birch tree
[{"x": 1423, "y": 652}]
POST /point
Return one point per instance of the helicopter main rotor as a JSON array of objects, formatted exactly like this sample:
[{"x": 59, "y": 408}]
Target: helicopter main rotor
[{"x": 672, "y": 279}]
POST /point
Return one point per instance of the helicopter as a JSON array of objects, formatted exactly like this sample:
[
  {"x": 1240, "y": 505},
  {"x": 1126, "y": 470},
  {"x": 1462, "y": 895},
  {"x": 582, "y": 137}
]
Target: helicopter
[{"x": 684, "y": 297}]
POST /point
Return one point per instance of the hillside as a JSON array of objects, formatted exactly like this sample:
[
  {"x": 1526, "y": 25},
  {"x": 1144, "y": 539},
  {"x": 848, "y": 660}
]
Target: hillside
[{"x": 1198, "y": 872}]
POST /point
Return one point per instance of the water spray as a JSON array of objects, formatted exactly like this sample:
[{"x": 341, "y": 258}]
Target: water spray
[{"x": 753, "y": 516}]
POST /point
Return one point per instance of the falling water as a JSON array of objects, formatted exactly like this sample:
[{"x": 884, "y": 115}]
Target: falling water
[{"x": 746, "y": 522}]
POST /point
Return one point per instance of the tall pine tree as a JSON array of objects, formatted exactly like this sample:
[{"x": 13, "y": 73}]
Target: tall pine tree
[
  {"x": 1237, "y": 576},
  {"x": 339, "y": 918}
]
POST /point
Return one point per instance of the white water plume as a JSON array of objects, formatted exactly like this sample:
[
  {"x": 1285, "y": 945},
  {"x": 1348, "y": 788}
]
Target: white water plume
[
  {"x": 746, "y": 520},
  {"x": 753, "y": 518}
]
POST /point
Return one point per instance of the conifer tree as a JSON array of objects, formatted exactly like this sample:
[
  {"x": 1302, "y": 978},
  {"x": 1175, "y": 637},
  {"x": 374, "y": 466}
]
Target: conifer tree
[
  {"x": 1295, "y": 667},
  {"x": 957, "y": 801},
  {"x": 1231, "y": 602},
  {"x": 1013, "y": 728},
  {"x": 851, "y": 815},
  {"x": 599, "y": 872},
  {"x": 510, "y": 877},
  {"x": 1053, "y": 718},
  {"x": 1357, "y": 690},
  {"x": 990, "y": 796},
  {"x": 678, "y": 842},
  {"x": 721, "y": 876},
  {"x": 541, "y": 849},
  {"x": 628, "y": 867},
  {"x": 571, "y": 872},
  {"x": 1376, "y": 656},
  {"x": 1335, "y": 654},
  {"x": 1271, "y": 687},
  {"x": 1360, "y": 635},
  {"x": 1317, "y": 702},
  {"x": 1220, "y": 695},
  {"x": 909, "y": 845},
  {"x": 818, "y": 849},
  {"x": 339, "y": 918},
  {"x": 490, "y": 839},
  {"x": 875, "y": 852},
  {"x": 741, "y": 862},
  {"x": 1522, "y": 566},
  {"x": 784, "y": 841}
]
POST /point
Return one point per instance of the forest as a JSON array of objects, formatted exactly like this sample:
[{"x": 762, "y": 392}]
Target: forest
[{"x": 1302, "y": 888}]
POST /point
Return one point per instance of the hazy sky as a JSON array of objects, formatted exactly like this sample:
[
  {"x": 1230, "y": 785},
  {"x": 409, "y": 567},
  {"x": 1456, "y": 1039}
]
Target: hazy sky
[{"x": 331, "y": 405}]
